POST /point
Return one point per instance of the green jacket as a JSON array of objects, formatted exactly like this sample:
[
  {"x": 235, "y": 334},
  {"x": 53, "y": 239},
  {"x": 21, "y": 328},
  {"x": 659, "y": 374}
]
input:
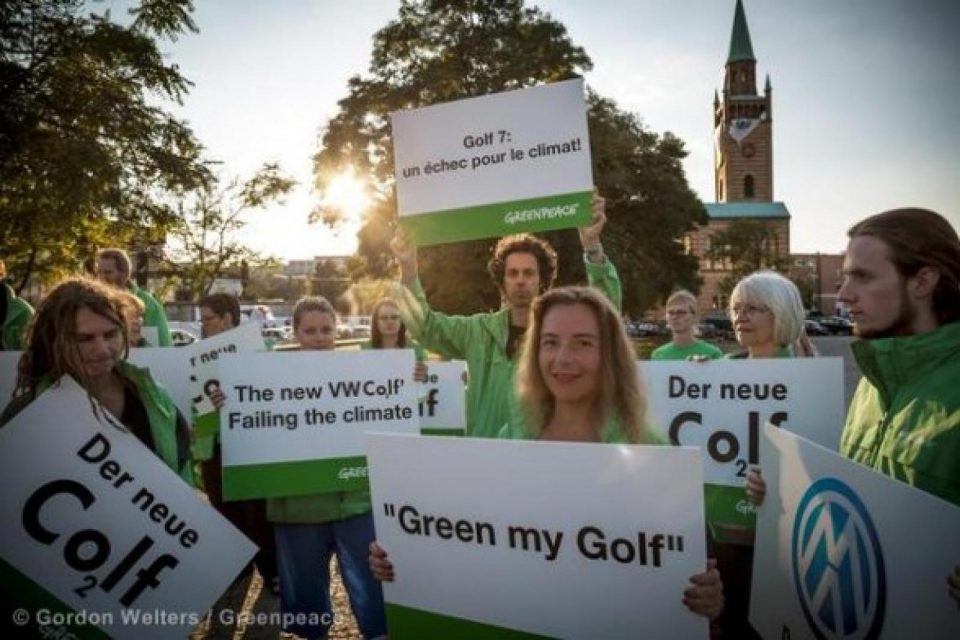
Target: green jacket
[
  {"x": 168, "y": 429},
  {"x": 670, "y": 351},
  {"x": 15, "y": 320},
  {"x": 153, "y": 315},
  {"x": 481, "y": 340},
  {"x": 904, "y": 420}
]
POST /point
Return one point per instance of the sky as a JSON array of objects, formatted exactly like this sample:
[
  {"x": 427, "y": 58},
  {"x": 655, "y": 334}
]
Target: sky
[{"x": 866, "y": 96}]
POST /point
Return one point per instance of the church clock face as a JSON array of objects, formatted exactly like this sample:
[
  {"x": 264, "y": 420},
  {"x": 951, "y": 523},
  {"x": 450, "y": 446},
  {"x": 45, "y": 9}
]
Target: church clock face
[{"x": 748, "y": 150}]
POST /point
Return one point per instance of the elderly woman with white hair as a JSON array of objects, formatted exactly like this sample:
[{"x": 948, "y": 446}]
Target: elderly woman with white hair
[{"x": 768, "y": 316}]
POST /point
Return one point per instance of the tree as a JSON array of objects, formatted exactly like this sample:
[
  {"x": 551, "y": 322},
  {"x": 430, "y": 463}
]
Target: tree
[
  {"x": 83, "y": 145},
  {"x": 329, "y": 281},
  {"x": 745, "y": 246},
  {"x": 442, "y": 50},
  {"x": 205, "y": 237}
]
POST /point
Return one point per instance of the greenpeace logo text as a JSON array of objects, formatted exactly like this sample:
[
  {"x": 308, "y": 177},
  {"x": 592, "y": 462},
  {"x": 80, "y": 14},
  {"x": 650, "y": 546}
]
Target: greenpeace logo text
[
  {"x": 540, "y": 213},
  {"x": 346, "y": 473}
]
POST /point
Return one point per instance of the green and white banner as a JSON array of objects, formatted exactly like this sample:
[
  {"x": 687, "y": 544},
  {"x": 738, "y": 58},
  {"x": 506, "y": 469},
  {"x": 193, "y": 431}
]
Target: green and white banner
[
  {"x": 443, "y": 399},
  {"x": 204, "y": 357},
  {"x": 98, "y": 537},
  {"x": 293, "y": 423},
  {"x": 845, "y": 552},
  {"x": 494, "y": 165},
  {"x": 503, "y": 539},
  {"x": 721, "y": 405}
]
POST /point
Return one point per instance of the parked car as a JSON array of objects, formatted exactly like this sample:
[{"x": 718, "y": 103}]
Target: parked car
[
  {"x": 276, "y": 335},
  {"x": 181, "y": 337},
  {"x": 814, "y": 328},
  {"x": 836, "y": 325}
]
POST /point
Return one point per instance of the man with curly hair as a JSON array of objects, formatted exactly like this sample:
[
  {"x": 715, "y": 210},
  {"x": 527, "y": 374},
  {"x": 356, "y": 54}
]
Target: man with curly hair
[{"x": 522, "y": 267}]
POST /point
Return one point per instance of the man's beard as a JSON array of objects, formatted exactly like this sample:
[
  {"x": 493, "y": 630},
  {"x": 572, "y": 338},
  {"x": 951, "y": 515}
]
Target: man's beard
[{"x": 901, "y": 326}]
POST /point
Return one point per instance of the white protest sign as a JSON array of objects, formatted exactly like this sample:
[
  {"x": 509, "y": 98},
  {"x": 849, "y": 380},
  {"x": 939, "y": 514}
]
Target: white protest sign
[
  {"x": 494, "y": 165},
  {"x": 293, "y": 423},
  {"x": 170, "y": 367},
  {"x": 204, "y": 356},
  {"x": 8, "y": 375},
  {"x": 109, "y": 534},
  {"x": 721, "y": 405},
  {"x": 492, "y": 537},
  {"x": 845, "y": 552},
  {"x": 443, "y": 403}
]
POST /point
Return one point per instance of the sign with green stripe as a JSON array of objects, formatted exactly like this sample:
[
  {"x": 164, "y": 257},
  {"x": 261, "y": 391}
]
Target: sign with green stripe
[
  {"x": 721, "y": 406},
  {"x": 293, "y": 423},
  {"x": 494, "y": 165},
  {"x": 510, "y": 539},
  {"x": 443, "y": 399},
  {"x": 98, "y": 537}
]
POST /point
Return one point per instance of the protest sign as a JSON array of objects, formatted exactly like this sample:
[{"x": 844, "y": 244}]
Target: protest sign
[
  {"x": 721, "y": 405},
  {"x": 494, "y": 165},
  {"x": 8, "y": 375},
  {"x": 443, "y": 404},
  {"x": 169, "y": 367},
  {"x": 97, "y": 532},
  {"x": 593, "y": 541},
  {"x": 204, "y": 356},
  {"x": 845, "y": 552},
  {"x": 293, "y": 423}
]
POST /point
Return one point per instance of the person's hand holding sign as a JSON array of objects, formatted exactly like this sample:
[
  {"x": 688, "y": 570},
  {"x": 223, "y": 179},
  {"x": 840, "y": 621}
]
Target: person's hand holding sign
[{"x": 590, "y": 235}]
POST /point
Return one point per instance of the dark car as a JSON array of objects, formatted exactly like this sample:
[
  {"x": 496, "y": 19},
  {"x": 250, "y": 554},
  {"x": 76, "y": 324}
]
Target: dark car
[
  {"x": 836, "y": 325},
  {"x": 814, "y": 328}
]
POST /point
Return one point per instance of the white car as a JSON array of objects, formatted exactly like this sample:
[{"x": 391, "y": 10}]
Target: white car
[{"x": 181, "y": 337}]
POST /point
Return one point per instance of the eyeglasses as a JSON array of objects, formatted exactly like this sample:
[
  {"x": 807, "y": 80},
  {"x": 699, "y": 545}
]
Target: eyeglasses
[
  {"x": 389, "y": 317},
  {"x": 748, "y": 309},
  {"x": 678, "y": 312}
]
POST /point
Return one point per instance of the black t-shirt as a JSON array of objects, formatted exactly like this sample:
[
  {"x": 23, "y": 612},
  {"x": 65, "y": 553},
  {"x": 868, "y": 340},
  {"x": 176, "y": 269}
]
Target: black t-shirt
[{"x": 514, "y": 339}]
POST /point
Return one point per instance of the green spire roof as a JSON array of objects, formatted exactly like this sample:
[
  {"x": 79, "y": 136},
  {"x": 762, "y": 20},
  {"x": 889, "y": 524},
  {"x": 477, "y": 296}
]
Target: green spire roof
[{"x": 740, "y": 46}]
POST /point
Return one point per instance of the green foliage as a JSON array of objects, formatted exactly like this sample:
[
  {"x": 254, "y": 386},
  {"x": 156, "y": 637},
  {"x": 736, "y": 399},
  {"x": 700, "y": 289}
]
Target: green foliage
[
  {"x": 83, "y": 146},
  {"x": 745, "y": 246},
  {"x": 206, "y": 246},
  {"x": 442, "y": 50}
]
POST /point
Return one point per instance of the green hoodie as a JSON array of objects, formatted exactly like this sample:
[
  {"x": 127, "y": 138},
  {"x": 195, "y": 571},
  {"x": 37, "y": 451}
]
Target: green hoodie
[
  {"x": 481, "y": 340},
  {"x": 15, "y": 320},
  {"x": 904, "y": 420},
  {"x": 153, "y": 315}
]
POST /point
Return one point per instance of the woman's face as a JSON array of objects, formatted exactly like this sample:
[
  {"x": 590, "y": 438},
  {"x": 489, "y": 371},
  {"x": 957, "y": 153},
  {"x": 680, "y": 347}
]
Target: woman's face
[
  {"x": 753, "y": 323},
  {"x": 96, "y": 346},
  {"x": 316, "y": 331},
  {"x": 569, "y": 353},
  {"x": 388, "y": 320}
]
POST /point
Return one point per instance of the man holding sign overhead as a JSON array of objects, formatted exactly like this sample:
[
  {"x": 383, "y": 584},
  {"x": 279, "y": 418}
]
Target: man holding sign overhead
[{"x": 522, "y": 267}]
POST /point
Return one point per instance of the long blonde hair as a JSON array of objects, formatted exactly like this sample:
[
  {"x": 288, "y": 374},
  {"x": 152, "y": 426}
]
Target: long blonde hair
[{"x": 622, "y": 393}]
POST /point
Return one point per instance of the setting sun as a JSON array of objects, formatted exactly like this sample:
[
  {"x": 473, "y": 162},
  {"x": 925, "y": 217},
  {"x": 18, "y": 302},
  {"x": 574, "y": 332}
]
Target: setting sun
[{"x": 346, "y": 193}]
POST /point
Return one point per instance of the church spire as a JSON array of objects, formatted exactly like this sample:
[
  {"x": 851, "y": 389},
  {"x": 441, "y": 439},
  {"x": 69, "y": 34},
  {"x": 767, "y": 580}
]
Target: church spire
[{"x": 740, "y": 46}]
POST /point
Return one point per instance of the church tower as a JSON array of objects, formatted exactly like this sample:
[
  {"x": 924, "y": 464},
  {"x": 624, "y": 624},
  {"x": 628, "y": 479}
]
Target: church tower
[{"x": 743, "y": 125}]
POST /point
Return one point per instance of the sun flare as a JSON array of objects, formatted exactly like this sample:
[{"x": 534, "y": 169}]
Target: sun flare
[{"x": 346, "y": 193}]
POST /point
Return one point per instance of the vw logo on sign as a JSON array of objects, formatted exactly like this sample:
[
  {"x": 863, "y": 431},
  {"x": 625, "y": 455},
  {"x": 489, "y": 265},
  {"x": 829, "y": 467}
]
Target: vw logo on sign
[{"x": 838, "y": 564}]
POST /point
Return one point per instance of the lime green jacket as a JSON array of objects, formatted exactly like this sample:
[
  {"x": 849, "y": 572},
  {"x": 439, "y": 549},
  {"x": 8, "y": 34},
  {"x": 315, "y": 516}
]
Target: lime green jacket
[
  {"x": 904, "y": 420},
  {"x": 153, "y": 314},
  {"x": 17, "y": 318},
  {"x": 481, "y": 340}
]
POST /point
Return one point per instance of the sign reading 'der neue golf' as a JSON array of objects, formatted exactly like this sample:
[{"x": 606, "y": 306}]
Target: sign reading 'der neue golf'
[{"x": 494, "y": 165}]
